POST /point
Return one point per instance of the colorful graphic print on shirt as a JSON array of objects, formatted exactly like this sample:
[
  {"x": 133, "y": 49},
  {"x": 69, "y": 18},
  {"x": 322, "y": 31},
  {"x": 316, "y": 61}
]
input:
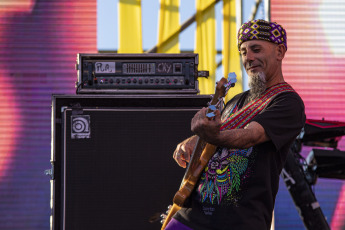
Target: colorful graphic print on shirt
[{"x": 221, "y": 179}]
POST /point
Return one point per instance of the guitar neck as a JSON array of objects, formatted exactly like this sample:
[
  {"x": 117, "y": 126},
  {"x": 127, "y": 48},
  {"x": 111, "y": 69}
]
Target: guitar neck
[
  {"x": 198, "y": 148},
  {"x": 194, "y": 160}
]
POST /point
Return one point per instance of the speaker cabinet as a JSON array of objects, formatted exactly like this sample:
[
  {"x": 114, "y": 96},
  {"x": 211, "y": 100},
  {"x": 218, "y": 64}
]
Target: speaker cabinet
[{"x": 112, "y": 158}]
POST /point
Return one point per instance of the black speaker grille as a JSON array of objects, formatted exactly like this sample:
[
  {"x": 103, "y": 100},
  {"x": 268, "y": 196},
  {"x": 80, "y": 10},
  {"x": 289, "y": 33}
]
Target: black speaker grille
[{"x": 123, "y": 173}]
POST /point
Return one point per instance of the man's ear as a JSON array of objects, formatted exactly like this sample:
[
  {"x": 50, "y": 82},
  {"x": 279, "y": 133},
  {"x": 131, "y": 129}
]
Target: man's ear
[{"x": 280, "y": 49}]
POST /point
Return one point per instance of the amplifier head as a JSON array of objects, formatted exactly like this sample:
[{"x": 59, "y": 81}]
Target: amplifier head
[{"x": 137, "y": 73}]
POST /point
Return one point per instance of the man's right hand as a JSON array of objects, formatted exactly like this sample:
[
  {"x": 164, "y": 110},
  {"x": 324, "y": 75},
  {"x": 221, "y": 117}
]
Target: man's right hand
[{"x": 184, "y": 150}]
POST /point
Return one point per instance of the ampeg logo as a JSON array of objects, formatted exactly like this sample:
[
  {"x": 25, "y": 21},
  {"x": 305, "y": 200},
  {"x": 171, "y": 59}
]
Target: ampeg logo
[{"x": 80, "y": 127}]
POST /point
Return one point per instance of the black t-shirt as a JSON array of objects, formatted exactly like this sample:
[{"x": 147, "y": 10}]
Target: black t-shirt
[{"x": 237, "y": 189}]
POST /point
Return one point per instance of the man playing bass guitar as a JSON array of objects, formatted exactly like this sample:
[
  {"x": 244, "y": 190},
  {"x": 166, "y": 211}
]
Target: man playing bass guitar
[{"x": 238, "y": 186}]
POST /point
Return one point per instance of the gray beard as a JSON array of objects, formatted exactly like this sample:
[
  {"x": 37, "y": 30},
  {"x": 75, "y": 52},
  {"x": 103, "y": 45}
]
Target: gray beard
[{"x": 257, "y": 85}]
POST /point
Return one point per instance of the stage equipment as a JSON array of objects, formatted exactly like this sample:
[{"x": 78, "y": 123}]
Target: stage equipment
[
  {"x": 300, "y": 173},
  {"x": 302, "y": 195},
  {"x": 322, "y": 133},
  {"x": 327, "y": 163},
  {"x": 112, "y": 73},
  {"x": 112, "y": 165}
]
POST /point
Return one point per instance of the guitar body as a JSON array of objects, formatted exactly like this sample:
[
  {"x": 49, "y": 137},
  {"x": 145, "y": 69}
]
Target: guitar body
[
  {"x": 174, "y": 209},
  {"x": 202, "y": 153},
  {"x": 196, "y": 166},
  {"x": 193, "y": 174}
]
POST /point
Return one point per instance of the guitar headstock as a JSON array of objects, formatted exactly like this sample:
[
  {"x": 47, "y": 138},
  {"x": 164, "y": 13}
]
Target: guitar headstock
[
  {"x": 232, "y": 79},
  {"x": 222, "y": 89}
]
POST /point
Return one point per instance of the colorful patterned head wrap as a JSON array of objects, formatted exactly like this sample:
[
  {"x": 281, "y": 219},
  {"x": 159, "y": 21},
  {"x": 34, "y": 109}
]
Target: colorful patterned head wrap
[{"x": 261, "y": 30}]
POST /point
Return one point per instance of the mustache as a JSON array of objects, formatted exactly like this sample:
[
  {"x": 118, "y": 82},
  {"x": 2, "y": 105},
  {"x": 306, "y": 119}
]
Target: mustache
[{"x": 251, "y": 64}]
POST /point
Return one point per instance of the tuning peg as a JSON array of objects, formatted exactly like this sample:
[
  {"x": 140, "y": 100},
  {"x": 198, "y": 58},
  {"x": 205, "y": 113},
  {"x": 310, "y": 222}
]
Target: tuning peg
[
  {"x": 232, "y": 77},
  {"x": 212, "y": 107},
  {"x": 210, "y": 115}
]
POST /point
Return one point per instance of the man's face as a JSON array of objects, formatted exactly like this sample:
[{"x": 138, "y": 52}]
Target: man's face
[{"x": 259, "y": 56}]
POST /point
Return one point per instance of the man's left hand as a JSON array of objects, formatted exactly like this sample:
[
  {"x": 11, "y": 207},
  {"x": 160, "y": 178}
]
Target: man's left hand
[{"x": 206, "y": 128}]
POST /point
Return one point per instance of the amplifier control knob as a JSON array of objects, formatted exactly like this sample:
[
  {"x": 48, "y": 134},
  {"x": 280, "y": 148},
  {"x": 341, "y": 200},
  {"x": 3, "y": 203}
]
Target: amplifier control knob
[
  {"x": 118, "y": 81},
  {"x": 157, "y": 81},
  {"x": 134, "y": 80},
  {"x": 128, "y": 80},
  {"x": 140, "y": 81}
]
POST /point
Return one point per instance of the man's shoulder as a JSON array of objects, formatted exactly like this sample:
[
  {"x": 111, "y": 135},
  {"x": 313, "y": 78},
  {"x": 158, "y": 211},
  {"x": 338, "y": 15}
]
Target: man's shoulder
[{"x": 289, "y": 96}]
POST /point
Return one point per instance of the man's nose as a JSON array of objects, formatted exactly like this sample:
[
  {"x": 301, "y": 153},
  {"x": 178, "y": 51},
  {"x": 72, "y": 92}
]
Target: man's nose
[{"x": 250, "y": 56}]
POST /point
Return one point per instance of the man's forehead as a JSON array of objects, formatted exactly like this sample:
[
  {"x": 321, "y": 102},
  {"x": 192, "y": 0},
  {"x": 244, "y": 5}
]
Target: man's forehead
[{"x": 255, "y": 43}]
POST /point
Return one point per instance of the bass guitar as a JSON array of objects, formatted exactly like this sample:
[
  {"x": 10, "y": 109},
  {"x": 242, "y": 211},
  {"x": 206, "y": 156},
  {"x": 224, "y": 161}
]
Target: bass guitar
[{"x": 201, "y": 155}]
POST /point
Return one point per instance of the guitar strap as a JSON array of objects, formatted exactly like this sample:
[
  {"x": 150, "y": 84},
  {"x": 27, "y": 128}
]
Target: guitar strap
[{"x": 240, "y": 118}]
